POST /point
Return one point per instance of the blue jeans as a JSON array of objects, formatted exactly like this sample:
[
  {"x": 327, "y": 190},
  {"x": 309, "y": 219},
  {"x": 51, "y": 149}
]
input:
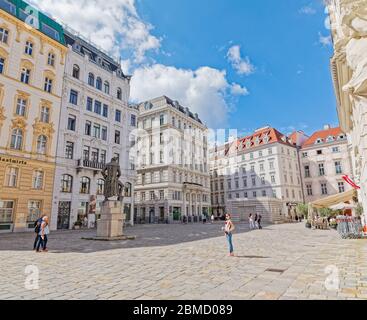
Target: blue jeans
[
  {"x": 42, "y": 242},
  {"x": 230, "y": 243}
]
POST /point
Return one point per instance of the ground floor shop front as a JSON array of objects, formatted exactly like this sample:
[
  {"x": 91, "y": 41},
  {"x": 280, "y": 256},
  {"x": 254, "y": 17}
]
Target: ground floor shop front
[{"x": 25, "y": 192}]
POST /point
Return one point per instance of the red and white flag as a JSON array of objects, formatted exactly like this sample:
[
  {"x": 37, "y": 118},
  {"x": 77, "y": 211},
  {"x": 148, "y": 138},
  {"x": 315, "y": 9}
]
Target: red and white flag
[{"x": 351, "y": 182}]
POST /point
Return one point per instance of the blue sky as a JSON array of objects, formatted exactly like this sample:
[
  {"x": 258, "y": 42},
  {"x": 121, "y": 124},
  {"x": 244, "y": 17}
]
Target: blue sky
[
  {"x": 291, "y": 86},
  {"x": 237, "y": 63}
]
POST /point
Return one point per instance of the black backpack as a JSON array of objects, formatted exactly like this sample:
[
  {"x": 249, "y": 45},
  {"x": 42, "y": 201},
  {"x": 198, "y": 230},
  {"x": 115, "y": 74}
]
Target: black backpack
[{"x": 37, "y": 227}]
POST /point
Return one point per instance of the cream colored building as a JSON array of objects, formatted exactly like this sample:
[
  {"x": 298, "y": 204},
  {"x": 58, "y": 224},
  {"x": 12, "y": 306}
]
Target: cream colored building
[
  {"x": 325, "y": 160},
  {"x": 172, "y": 163},
  {"x": 348, "y": 20},
  {"x": 32, "y": 59},
  {"x": 259, "y": 173}
]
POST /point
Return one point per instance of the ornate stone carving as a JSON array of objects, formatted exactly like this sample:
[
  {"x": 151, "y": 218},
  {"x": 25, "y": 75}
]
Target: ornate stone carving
[
  {"x": 19, "y": 122},
  {"x": 41, "y": 128}
]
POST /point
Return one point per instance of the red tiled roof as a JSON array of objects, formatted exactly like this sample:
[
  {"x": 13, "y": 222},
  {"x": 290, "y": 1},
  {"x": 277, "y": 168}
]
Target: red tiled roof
[
  {"x": 323, "y": 134},
  {"x": 258, "y": 139}
]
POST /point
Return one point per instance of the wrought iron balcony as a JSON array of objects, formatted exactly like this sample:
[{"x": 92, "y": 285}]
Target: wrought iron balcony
[{"x": 90, "y": 164}]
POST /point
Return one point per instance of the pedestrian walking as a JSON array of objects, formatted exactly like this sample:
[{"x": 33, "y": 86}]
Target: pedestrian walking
[
  {"x": 256, "y": 221},
  {"x": 259, "y": 221},
  {"x": 228, "y": 231},
  {"x": 37, "y": 228},
  {"x": 43, "y": 235},
  {"x": 212, "y": 218},
  {"x": 251, "y": 221}
]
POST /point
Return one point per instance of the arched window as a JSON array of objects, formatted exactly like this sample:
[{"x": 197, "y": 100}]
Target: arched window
[
  {"x": 66, "y": 183},
  {"x": 91, "y": 79},
  {"x": 119, "y": 93},
  {"x": 106, "y": 87},
  {"x": 76, "y": 72},
  {"x": 16, "y": 139},
  {"x": 84, "y": 185},
  {"x": 42, "y": 144},
  {"x": 100, "y": 186},
  {"x": 99, "y": 83}
]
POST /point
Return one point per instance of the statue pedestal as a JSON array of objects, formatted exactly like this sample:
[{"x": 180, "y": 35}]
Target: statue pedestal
[{"x": 110, "y": 226}]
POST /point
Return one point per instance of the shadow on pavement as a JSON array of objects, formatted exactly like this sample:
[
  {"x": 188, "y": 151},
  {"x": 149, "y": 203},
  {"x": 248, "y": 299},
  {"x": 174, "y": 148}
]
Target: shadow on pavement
[{"x": 146, "y": 236}]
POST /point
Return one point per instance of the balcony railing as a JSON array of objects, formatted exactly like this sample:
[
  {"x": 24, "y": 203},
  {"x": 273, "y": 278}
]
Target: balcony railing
[{"x": 90, "y": 164}]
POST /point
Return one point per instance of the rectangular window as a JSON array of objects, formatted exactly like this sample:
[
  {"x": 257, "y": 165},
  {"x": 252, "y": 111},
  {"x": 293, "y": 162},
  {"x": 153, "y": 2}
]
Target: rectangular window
[
  {"x": 133, "y": 120},
  {"x": 321, "y": 169},
  {"x": 97, "y": 107},
  {"x": 71, "y": 123},
  {"x": 88, "y": 128},
  {"x": 341, "y": 187},
  {"x": 264, "y": 193},
  {"x": 69, "y": 150},
  {"x": 309, "y": 189},
  {"x": 104, "y": 133},
  {"x": 4, "y": 35},
  {"x": 103, "y": 156},
  {"x": 95, "y": 155},
  {"x": 96, "y": 131},
  {"x": 37, "y": 180},
  {"x": 11, "y": 177},
  {"x": 118, "y": 116},
  {"x": 21, "y": 107},
  {"x": 335, "y": 149},
  {"x": 6, "y": 211},
  {"x": 307, "y": 172},
  {"x": 105, "y": 111},
  {"x": 324, "y": 190},
  {"x": 25, "y": 75},
  {"x": 73, "y": 97},
  {"x": 117, "y": 137},
  {"x": 338, "y": 167},
  {"x": 161, "y": 119},
  {"x": 48, "y": 85},
  {"x": 45, "y": 115},
  {"x": 2, "y": 64},
  {"x": 89, "y": 104}
]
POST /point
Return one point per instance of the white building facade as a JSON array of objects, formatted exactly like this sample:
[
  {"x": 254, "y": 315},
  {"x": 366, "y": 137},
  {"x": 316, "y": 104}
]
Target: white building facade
[
  {"x": 95, "y": 126},
  {"x": 325, "y": 160},
  {"x": 256, "y": 174},
  {"x": 172, "y": 164},
  {"x": 348, "y": 21}
]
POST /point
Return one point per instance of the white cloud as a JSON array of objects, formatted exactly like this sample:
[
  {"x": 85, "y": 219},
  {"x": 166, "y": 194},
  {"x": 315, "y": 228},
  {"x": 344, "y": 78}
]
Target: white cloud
[
  {"x": 325, "y": 40},
  {"x": 113, "y": 25},
  {"x": 307, "y": 10},
  {"x": 243, "y": 66},
  {"x": 205, "y": 90}
]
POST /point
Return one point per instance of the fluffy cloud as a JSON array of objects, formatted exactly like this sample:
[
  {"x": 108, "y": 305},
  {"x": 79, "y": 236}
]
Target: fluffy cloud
[
  {"x": 243, "y": 66},
  {"x": 113, "y": 25},
  {"x": 204, "y": 90},
  {"x": 325, "y": 40},
  {"x": 116, "y": 26}
]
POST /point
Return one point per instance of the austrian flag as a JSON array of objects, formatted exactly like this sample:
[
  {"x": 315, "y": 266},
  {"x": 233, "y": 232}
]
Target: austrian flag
[{"x": 351, "y": 182}]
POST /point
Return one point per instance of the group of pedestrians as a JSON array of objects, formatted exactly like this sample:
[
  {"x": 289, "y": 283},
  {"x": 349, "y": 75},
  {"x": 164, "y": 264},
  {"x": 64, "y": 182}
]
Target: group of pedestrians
[
  {"x": 255, "y": 221},
  {"x": 42, "y": 230}
]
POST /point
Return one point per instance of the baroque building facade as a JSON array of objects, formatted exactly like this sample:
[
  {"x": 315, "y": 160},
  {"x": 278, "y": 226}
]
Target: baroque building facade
[
  {"x": 32, "y": 61},
  {"x": 348, "y": 21},
  {"x": 259, "y": 174},
  {"x": 95, "y": 126},
  {"x": 325, "y": 160},
  {"x": 172, "y": 164}
]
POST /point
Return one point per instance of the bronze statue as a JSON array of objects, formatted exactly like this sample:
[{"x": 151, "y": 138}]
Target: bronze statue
[{"x": 113, "y": 186}]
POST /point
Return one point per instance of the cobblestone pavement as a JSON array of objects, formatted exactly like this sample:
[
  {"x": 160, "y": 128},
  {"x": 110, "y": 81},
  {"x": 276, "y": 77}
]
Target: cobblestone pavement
[{"x": 187, "y": 262}]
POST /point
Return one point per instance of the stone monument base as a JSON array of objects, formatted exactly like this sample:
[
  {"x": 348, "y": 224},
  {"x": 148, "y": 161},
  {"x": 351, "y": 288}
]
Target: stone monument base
[{"x": 112, "y": 222}]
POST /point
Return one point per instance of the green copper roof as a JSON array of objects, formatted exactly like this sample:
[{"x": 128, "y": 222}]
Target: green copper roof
[{"x": 33, "y": 17}]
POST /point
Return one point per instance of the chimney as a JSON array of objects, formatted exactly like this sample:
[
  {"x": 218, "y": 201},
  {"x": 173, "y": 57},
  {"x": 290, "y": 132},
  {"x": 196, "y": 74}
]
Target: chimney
[{"x": 327, "y": 127}]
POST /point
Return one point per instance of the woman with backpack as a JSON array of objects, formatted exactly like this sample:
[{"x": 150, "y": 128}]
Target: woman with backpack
[{"x": 43, "y": 235}]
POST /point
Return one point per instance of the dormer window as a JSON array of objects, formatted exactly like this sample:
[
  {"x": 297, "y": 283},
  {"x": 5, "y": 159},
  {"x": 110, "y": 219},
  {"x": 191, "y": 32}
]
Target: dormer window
[
  {"x": 341, "y": 137},
  {"x": 318, "y": 141},
  {"x": 257, "y": 141},
  {"x": 248, "y": 144},
  {"x": 330, "y": 139},
  {"x": 266, "y": 139}
]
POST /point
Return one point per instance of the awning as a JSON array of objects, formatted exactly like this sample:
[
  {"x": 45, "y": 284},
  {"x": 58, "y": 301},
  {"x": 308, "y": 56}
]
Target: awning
[{"x": 334, "y": 199}]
